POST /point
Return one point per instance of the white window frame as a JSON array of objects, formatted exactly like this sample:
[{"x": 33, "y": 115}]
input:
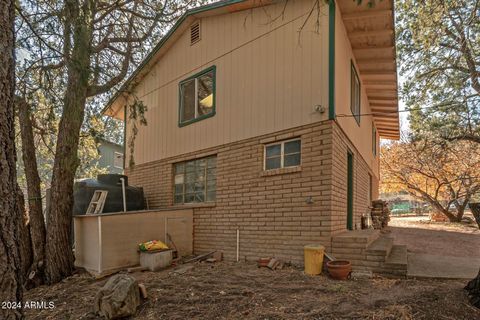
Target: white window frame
[
  {"x": 282, "y": 153},
  {"x": 115, "y": 153}
]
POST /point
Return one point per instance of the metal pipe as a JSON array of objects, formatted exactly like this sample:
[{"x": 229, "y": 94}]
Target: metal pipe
[
  {"x": 238, "y": 244},
  {"x": 123, "y": 195}
]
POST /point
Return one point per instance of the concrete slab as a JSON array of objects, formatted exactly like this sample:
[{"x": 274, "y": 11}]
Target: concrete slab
[{"x": 422, "y": 265}]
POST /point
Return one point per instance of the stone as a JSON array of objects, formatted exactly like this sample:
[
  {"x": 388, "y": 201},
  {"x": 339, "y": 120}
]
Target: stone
[{"x": 118, "y": 298}]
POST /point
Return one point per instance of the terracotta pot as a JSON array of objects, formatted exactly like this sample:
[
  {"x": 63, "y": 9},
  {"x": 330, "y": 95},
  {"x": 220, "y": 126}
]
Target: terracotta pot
[
  {"x": 339, "y": 269},
  {"x": 263, "y": 262}
]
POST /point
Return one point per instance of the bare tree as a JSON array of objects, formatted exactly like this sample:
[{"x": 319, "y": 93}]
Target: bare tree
[
  {"x": 444, "y": 175},
  {"x": 10, "y": 217}
]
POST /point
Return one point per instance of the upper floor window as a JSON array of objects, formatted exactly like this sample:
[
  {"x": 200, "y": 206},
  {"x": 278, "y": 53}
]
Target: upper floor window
[
  {"x": 195, "y": 180},
  {"x": 374, "y": 141},
  {"x": 355, "y": 94},
  {"x": 197, "y": 97},
  {"x": 282, "y": 154}
]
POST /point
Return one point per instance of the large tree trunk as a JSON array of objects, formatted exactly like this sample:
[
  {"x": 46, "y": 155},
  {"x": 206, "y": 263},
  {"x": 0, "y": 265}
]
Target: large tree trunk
[
  {"x": 58, "y": 250},
  {"x": 10, "y": 217},
  {"x": 473, "y": 287},
  {"x": 35, "y": 210}
]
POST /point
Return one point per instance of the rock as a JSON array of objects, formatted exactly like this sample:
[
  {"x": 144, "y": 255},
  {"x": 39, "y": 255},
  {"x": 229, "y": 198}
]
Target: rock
[{"x": 118, "y": 298}]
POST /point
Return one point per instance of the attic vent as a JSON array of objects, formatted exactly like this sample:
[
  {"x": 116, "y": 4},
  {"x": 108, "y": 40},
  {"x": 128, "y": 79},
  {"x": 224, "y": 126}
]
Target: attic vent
[{"x": 195, "y": 33}]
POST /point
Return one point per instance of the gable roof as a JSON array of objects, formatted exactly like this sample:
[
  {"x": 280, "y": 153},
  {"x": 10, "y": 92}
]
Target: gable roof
[{"x": 225, "y": 6}]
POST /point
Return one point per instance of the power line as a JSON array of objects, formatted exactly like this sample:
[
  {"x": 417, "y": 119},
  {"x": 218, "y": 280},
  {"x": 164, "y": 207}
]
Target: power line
[{"x": 434, "y": 107}]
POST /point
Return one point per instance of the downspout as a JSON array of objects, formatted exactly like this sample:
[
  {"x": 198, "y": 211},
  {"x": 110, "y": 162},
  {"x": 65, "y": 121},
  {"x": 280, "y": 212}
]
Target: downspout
[
  {"x": 123, "y": 195},
  {"x": 331, "y": 59}
]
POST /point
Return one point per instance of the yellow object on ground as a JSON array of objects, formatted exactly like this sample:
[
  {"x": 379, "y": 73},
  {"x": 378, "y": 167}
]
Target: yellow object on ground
[
  {"x": 313, "y": 259},
  {"x": 152, "y": 245}
]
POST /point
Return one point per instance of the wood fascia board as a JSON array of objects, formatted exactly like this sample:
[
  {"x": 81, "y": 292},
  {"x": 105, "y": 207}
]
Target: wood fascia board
[{"x": 365, "y": 14}]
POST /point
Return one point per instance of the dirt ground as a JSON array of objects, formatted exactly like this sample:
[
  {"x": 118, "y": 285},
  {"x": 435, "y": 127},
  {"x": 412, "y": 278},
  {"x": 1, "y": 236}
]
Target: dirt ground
[
  {"x": 443, "y": 238},
  {"x": 243, "y": 291}
]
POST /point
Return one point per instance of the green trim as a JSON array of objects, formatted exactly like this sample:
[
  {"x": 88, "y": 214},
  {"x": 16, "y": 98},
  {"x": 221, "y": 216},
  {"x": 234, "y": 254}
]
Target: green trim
[
  {"x": 152, "y": 53},
  {"x": 124, "y": 137},
  {"x": 349, "y": 191},
  {"x": 331, "y": 60},
  {"x": 353, "y": 71},
  {"x": 214, "y": 91}
]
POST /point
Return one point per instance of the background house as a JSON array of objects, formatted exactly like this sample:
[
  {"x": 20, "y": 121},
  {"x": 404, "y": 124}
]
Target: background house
[
  {"x": 111, "y": 156},
  {"x": 265, "y": 117}
]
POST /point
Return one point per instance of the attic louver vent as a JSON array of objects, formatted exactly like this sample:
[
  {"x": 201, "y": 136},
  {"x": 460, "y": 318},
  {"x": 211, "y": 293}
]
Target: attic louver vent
[{"x": 195, "y": 33}]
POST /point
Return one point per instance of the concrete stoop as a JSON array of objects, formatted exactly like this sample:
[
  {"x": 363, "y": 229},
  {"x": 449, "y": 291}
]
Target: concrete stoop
[{"x": 368, "y": 250}]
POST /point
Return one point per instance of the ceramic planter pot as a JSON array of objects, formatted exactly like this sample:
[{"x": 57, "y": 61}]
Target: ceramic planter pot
[
  {"x": 339, "y": 269},
  {"x": 263, "y": 262}
]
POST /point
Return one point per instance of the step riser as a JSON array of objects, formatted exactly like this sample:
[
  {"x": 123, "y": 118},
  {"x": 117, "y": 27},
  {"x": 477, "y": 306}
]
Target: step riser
[{"x": 378, "y": 255}]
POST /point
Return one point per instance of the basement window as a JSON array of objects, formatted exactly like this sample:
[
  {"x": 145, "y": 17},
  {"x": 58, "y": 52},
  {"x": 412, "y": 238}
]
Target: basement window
[
  {"x": 195, "y": 180},
  {"x": 282, "y": 154},
  {"x": 197, "y": 97},
  {"x": 355, "y": 94}
]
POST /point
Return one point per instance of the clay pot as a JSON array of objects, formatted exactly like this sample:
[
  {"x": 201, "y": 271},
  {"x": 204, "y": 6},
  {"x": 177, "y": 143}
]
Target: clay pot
[
  {"x": 339, "y": 269},
  {"x": 263, "y": 262}
]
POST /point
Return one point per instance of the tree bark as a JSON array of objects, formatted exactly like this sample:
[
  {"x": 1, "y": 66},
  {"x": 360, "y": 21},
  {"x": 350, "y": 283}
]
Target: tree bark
[
  {"x": 26, "y": 251},
  {"x": 10, "y": 261},
  {"x": 58, "y": 250},
  {"x": 35, "y": 210}
]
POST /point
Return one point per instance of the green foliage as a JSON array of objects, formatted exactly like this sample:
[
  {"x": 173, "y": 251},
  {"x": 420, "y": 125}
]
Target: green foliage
[
  {"x": 439, "y": 50},
  {"x": 45, "y": 128}
]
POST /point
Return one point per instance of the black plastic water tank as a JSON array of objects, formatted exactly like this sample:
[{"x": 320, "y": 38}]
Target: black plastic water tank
[{"x": 84, "y": 189}]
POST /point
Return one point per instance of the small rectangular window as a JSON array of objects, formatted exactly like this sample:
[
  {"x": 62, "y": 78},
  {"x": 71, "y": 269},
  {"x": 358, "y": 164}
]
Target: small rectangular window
[
  {"x": 355, "y": 94},
  {"x": 195, "y": 180},
  {"x": 374, "y": 140},
  {"x": 197, "y": 97},
  {"x": 282, "y": 154},
  {"x": 118, "y": 160}
]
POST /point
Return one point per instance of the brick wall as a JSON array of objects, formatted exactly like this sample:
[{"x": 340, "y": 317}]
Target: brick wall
[
  {"x": 361, "y": 182},
  {"x": 269, "y": 208}
]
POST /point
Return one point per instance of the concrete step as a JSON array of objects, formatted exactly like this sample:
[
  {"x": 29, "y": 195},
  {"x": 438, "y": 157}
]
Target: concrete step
[
  {"x": 397, "y": 261},
  {"x": 397, "y": 256},
  {"x": 380, "y": 247},
  {"x": 355, "y": 237}
]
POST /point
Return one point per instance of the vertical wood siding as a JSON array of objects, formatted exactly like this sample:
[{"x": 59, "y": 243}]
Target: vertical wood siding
[
  {"x": 360, "y": 135},
  {"x": 269, "y": 78}
]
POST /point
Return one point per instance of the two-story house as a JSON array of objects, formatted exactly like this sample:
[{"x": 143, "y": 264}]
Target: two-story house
[{"x": 265, "y": 117}]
